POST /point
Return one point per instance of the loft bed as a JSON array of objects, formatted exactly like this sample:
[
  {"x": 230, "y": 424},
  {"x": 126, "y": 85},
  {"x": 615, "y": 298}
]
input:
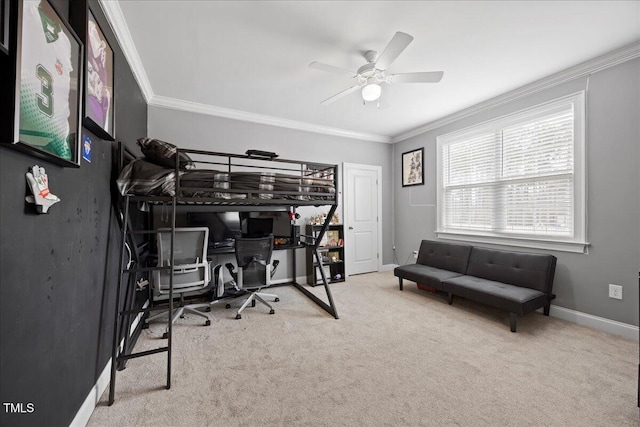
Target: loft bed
[
  {"x": 169, "y": 175},
  {"x": 257, "y": 178}
]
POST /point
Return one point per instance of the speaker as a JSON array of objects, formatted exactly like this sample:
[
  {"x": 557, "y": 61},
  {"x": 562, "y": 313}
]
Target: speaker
[{"x": 295, "y": 233}]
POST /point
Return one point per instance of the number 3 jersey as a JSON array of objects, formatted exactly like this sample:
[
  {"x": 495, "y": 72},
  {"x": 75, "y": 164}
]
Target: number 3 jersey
[{"x": 45, "y": 82}]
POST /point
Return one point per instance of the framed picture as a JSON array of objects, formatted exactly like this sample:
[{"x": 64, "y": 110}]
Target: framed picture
[
  {"x": 98, "y": 101},
  {"x": 412, "y": 167},
  {"x": 48, "y": 84},
  {"x": 4, "y": 25}
]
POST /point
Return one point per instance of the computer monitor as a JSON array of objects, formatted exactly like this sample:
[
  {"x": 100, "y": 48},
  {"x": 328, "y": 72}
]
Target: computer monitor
[
  {"x": 224, "y": 227},
  {"x": 259, "y": 227},
  {"x": 282, "y": 225}
]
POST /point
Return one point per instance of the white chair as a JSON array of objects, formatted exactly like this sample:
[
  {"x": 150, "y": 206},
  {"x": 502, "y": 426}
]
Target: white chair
[{"x": 191, "y": 270}]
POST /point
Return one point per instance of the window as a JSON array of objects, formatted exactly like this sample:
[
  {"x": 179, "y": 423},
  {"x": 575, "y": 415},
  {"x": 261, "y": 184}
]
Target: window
[{"x": 517, "y": 180}]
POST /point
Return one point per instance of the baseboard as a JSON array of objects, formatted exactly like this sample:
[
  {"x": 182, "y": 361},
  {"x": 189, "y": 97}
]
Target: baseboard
[
  {"x": 606, "y": 325},
  {"x": 84, "y": 413},
  {"x": 388, "y": 267}
]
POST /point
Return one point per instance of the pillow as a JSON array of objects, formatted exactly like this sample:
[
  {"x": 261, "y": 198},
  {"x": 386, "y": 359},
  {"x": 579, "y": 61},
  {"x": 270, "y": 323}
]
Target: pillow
[{"x": 163, "y": 153}]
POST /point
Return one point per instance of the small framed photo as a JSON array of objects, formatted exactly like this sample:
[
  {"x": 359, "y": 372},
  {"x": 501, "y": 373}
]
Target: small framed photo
[
  {"x": 412, "y": 167},
  {"x": 48, "y": 85},
  {"x": 4, "y": 26},
  {"x": 98, "y": 101}
]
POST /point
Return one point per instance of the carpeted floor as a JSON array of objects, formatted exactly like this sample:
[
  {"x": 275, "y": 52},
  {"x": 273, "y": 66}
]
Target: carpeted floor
[{"x": 392, "y": 359}]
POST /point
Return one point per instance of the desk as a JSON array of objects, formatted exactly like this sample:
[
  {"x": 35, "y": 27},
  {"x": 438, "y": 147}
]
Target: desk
[{"x": 227, "y": 250}]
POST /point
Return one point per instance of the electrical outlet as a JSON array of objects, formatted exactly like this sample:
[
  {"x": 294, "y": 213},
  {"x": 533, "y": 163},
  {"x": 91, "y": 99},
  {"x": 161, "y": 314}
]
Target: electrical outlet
[
  {"x": 615, "y": 291},
  {"x": 415, "y": 254}
]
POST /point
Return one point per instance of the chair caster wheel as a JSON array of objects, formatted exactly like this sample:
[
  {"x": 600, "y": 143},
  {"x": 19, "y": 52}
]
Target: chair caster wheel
[
  {"x": 238, "y": 316},
  {"x": 272, "y": 311},
  {"x": 253, "y": 303},
  {"x": 277, "y": 299},
  {"x": 207, "y": 323},
  {"x": 227, "y": 306},
  {"x": 165, "y": 335}
]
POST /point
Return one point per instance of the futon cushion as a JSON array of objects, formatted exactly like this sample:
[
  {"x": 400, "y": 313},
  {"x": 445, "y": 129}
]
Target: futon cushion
[
  {"x": 163, "y": 153},
  {"x": 424, "y": 274},
  {"x": 507, "y": 297},
  {"x": 446, "y": 256},
  {"x": 524, "y": 269}
]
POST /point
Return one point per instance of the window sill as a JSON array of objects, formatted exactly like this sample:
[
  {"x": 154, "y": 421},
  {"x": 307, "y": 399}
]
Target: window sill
[{"x": 550, "y": 245}]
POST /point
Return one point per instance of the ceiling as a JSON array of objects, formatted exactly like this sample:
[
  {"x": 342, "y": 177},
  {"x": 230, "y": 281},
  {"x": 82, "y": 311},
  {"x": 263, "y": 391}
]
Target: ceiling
[{"x": 249, "y": 59}]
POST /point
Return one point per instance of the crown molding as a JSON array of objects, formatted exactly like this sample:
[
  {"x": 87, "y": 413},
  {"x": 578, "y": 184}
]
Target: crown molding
[
  {"x": 119, "y": 27},
  {"x": 591, "y": 66},
  {"x": 211, "y": 110},
  {"x": 114, "y": 15}
]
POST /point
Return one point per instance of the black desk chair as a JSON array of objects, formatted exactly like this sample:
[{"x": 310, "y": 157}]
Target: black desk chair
[{"x": 255, "y": 270}]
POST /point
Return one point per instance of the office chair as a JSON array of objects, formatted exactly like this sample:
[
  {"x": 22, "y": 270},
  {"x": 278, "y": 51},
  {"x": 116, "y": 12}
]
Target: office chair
[
  {"x": 255, "y": 270},
  {"x": 190, "y": 272}
]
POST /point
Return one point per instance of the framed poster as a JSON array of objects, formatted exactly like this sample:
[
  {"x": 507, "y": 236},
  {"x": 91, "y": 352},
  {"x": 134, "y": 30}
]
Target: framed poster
[
  {"x": 4, "y": 25},
  {"x": 98, "y": 100},
  {"x": 48, "y": 84},
  {"x": 412, "y": 167}
]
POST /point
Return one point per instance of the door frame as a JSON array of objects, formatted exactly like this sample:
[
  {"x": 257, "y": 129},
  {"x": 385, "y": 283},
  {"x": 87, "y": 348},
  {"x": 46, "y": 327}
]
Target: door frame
[{"x": 345, "y": 196}]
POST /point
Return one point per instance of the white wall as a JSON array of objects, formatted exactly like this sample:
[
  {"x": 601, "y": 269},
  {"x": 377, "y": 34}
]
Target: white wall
[{"x": 613, "y": 205}]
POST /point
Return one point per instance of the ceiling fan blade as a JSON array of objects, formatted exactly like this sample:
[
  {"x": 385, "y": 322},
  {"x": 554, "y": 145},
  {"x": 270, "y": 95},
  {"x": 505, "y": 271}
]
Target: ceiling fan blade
[
  {"x": 424, "y": 77},
  {"x": 330, "y": 68},
  {"x": 340, "y": 95},
  {"x": 398, "y": 43}
]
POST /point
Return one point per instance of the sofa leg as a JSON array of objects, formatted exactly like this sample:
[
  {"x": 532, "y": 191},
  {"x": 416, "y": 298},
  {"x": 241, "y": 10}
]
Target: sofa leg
[
  {"x": 450, "y": 298},
  {"x": 400, "y": 282},
  {"x": 546, "y": 309},
  {"x": 513, "y": 319}
]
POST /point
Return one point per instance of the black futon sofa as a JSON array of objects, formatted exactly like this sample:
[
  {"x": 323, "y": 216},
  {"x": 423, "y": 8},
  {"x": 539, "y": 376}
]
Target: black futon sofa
[{"x": 517, "y": 282}]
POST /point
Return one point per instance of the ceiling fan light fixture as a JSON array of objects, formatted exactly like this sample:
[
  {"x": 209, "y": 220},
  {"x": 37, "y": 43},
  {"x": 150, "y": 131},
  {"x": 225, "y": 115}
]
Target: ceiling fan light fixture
[{"x": 371, "y": 92}]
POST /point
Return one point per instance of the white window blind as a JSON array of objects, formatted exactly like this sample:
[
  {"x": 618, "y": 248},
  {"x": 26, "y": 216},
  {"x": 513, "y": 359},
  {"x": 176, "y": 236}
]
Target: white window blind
[{"x": 517, "y": 178}]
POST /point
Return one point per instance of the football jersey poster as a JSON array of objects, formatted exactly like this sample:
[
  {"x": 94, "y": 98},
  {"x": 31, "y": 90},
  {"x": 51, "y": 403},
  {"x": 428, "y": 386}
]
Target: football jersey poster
[
  {"x": 98, "y": 114},
  {"x": 50, "y": 70}
]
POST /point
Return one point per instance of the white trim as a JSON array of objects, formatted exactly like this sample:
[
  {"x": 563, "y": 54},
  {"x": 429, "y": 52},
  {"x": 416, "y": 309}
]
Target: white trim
[
  {"x": 388, "y": 267},
  {"x": 86, "y": 409},
  {"x": 84, "y": 413},
  {"x": 345, "y": 194},
  {"x": 599, "y": 63},
  {"x": 549, "y": 245},
  {"x": 119, "y": 27},
  {"x": 211, "y": 110},
  {"x": 609, "y": 326}
]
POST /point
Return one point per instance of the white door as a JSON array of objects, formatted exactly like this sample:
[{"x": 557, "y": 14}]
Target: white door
[{"x": 362, "y": 218}]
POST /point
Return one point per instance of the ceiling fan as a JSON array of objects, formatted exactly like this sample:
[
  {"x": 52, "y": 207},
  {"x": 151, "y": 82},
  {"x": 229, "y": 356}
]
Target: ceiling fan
[{"x": 370, "y": 76}]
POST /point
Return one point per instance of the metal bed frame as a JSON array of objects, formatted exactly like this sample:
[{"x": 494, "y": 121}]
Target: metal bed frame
[{"x": 227, "y": 163}]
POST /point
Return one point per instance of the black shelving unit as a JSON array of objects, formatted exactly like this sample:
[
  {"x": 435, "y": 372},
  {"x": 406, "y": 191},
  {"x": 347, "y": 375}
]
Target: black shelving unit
[{"x": 331, "y": 251}]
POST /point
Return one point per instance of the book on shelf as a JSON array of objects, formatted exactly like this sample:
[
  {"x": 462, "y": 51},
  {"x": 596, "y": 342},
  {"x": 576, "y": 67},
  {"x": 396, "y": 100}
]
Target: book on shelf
[{"x": 333, "y": 237}]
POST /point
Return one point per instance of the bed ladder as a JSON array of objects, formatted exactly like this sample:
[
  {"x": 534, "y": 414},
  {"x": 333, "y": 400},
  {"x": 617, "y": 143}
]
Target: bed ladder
[{"x": 122, "y": 348}]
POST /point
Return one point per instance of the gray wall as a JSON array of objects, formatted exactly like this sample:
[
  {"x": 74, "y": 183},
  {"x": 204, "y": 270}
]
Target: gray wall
[
  {"x": 198, "y": 131},
  {"x": 613, "y": 206}
]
